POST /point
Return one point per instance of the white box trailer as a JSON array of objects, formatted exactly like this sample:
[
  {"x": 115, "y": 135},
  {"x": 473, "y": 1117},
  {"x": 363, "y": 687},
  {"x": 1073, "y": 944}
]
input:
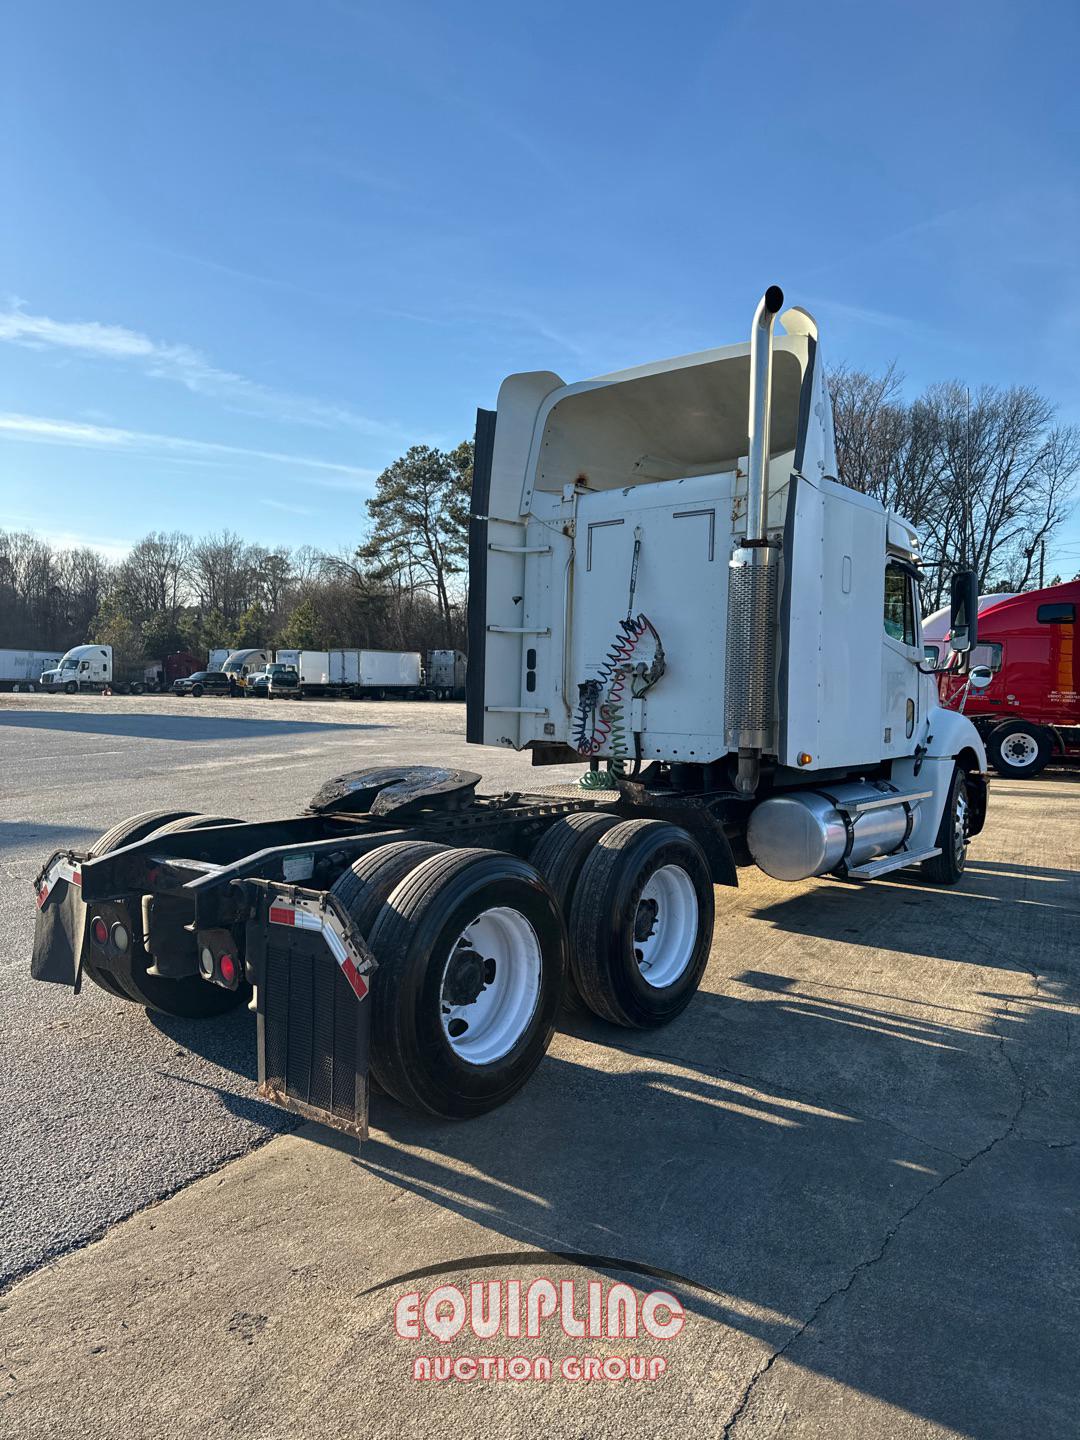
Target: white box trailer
[
  {"x": 380, "y": 674},
  {"x": 679, "y": 598},
  {"x": 23, "y": 669}
]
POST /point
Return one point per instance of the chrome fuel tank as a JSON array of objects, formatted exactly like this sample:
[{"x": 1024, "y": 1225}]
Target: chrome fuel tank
[{"x": 811, "y": 832}]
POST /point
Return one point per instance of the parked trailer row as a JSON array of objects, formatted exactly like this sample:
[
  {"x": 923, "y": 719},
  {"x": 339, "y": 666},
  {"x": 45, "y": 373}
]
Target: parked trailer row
[{"x": 734, "y": 638}]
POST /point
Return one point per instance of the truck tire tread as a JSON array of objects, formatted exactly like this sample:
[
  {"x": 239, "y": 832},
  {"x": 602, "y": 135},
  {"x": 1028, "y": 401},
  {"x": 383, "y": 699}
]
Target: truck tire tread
[
  {"x": 603, "y": 916},
  {"x": 409, "y": 1057}
]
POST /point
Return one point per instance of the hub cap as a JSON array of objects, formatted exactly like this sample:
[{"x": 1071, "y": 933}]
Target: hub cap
[
  {"x": 666, "y": 926},
  {"x": 490, "y": 985},
  {"x": 960, "y": 835},
  {"x": 1019, "y": 749}
]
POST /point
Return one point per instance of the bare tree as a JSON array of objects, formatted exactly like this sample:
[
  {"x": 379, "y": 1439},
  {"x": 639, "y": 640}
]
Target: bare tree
[{"x": 984, "y": 477}]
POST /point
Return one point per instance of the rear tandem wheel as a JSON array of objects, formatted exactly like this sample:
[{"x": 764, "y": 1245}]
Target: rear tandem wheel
[{"x": 125, "y": 976}]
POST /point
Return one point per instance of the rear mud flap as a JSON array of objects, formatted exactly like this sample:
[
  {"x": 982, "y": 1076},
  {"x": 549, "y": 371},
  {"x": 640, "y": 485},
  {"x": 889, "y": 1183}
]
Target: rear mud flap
[
  {"x": 314, "y": 1018},
  {"x": 60, "y": 931}
]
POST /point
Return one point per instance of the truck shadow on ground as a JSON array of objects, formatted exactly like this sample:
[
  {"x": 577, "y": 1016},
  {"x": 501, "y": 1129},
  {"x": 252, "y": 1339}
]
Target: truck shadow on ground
[
  {"x": 875, "y": 1179},
  {"x": 186, "y": 727},
  {"x": 844, "y": 1214},
  {"x": 991, "y": 918}
]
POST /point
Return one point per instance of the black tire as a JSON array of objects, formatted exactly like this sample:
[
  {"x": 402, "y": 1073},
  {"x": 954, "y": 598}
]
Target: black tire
[
  {"x": 559, "y": 855},
  {"x": 413, "y": 939},
  {"x": 366, "y": 886},
  {"x": 71, "y": 688},
  {"x": 192, "y": 822},
  {"x": 197, "y": 691},
  {"x": 127, "y": 832},
  {"x": 190, "y": 998},
  {"x": 948, "y": 867},
  {"x": 1019, "y": 750},
  {"x": 606, "y": 950}
]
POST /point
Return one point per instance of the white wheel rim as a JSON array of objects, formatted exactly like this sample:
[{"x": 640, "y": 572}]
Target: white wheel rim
[
  {"x": 490, "y": 985},
  {"x": 960, "y": 828},
  {"x": 666, "y": 926},
  {"x": 1019, "y": 749}
]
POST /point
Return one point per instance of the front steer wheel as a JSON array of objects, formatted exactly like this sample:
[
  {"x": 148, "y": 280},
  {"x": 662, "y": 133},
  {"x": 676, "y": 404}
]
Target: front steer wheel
[
  {"x": 947, "y": 868},
  {"x": 471, "y": 950},
  {"x": 1019, "y": 750}
]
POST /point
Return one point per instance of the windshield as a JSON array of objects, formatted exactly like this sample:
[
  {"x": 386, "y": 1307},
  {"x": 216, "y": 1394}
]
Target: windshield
[{"x": 69, "y": 662}]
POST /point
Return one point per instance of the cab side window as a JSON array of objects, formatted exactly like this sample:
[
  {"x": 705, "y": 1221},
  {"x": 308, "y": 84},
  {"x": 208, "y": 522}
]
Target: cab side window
[
  {"x": 900, "y": 605},
  {"x": 986, "y": 654},
  {"x": 1060, "y": 614}
]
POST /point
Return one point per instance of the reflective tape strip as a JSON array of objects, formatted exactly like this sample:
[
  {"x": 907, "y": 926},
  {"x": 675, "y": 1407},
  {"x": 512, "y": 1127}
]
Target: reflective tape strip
[
  {"x": 305, "y": 915},
  {"x": 60, "y": 869}
]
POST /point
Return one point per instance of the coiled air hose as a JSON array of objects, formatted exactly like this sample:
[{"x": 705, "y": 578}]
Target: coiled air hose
[{"x": 601, "y": 722}]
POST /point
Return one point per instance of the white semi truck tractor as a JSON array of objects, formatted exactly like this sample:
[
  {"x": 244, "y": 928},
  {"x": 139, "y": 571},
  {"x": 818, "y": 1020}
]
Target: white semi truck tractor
[
  {"x": 668, "y": 588},
  {"x": 91, "y": 669}
]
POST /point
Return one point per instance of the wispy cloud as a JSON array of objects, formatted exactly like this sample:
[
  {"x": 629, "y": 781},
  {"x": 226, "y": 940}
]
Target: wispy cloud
[
  {"x": 862, "y": 315},
  {"x": 109, "y": 546},
  {"x": 43, "y": 430},
  {"x": 182, "y": 364},
  {"x": 286, "y": 506}
]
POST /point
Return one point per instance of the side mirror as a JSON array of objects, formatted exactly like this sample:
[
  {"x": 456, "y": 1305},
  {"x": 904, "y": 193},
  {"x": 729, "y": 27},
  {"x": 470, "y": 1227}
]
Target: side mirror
[
  {"x": 980, "y": 677},
  {"x": 930, "y": 657},
  {"x": 964, "y": 611}
]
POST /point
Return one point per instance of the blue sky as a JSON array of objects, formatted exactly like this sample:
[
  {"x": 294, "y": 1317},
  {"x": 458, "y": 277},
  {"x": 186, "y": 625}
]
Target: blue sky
[{"x": 254, "y": 251}]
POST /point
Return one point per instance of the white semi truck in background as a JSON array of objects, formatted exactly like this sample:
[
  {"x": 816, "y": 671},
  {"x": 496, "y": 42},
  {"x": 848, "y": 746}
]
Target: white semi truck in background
[
  {"x": 21, "y": 670},
  {"x": 242, "y": 665},
  {"x": 682, "y": 598},
  {"x": 90, "y": 669},
  {"x": 445, "y": 674}
]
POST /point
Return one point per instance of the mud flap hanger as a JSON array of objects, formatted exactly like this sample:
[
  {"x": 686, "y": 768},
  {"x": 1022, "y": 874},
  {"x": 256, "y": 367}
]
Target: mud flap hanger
[{"x": 318, "y": 910}]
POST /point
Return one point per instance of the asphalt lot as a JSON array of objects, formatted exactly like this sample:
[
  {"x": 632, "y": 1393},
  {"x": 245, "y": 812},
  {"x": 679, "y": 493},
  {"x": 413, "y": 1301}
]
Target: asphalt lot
[{"x": 860, "y": 1147}]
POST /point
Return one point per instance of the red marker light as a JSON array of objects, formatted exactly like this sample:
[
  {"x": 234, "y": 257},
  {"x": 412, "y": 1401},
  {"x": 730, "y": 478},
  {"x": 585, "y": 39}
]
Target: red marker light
[
  {"x": 99, "y": 930},
  {"x": 227, "y": 966}
]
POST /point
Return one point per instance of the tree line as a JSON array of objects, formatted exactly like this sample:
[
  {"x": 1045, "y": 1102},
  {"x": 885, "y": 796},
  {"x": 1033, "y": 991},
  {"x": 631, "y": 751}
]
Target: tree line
[
  {"x": 987, "y": 477},
  {"x": 401, "y": 589}
]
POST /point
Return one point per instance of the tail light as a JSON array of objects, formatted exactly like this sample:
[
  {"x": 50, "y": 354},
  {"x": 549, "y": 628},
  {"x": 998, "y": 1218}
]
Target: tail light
[
  {"x": 217, "y": 963},
  {"x": 99, "y": 930}
]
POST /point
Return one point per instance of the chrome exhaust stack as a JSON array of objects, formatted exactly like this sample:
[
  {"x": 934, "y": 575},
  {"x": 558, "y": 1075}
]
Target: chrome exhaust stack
[{"x": 753, "y": 578}]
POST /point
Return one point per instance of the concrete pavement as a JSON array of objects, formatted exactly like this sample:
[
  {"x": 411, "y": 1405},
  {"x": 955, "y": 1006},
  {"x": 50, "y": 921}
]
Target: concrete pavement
[{"x": 859, "y": 1148}]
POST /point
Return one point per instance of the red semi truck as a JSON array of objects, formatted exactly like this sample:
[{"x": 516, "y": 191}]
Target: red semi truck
[{"x": 1029, "y": 714}]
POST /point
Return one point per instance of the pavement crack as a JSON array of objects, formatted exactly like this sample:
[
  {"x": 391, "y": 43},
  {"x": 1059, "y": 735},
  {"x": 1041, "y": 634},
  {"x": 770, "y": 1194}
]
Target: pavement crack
[{"x": 879, "y": 1254}]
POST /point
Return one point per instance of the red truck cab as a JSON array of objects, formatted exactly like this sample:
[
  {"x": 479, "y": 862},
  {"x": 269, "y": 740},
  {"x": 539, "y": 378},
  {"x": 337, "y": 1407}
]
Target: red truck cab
[{"x": 1029, "y": 714}]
